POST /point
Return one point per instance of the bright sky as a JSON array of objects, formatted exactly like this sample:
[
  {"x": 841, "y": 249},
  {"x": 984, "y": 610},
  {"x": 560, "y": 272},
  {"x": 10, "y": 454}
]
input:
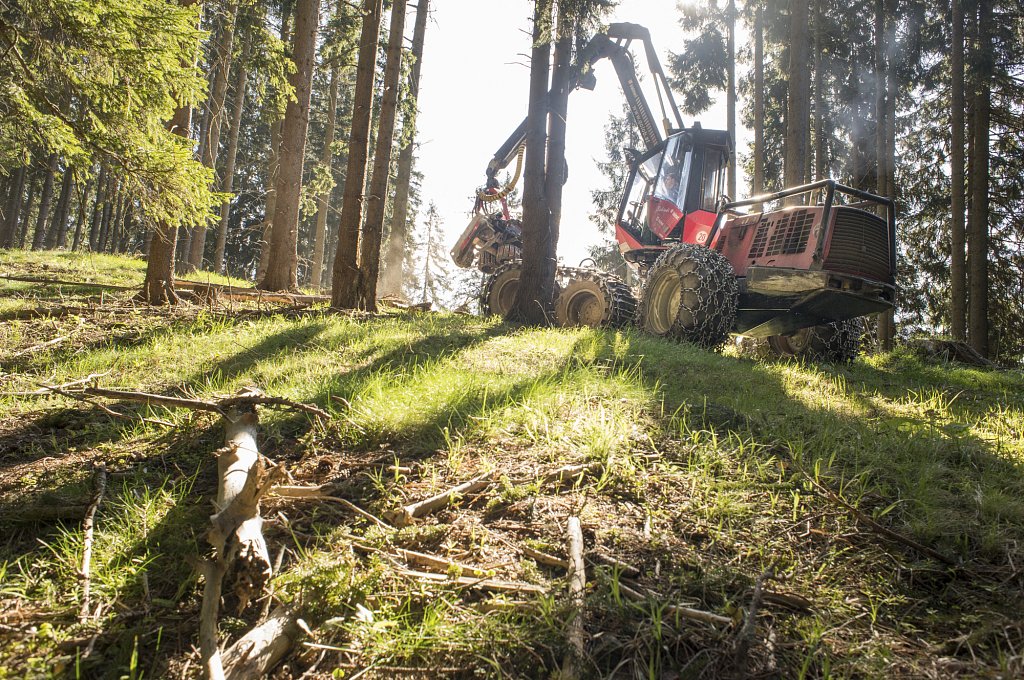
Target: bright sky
[{"x": 474, "y": 92}]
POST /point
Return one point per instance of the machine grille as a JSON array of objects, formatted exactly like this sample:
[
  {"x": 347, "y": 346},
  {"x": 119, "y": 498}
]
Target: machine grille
[
  {"x": 789, "y": 234},
  {"x": 859, "y": 245}
]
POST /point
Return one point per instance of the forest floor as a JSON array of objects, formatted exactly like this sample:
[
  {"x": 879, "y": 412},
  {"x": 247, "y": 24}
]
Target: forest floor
[{"x": 887, "y": 496}]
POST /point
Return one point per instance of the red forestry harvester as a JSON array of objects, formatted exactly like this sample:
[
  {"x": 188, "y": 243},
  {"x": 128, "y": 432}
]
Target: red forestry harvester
[{"x": 800, "y": 276}]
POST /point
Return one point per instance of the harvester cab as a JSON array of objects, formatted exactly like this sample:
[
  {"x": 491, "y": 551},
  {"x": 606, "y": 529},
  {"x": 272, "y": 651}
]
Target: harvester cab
[{"x": 675, "y": 192}]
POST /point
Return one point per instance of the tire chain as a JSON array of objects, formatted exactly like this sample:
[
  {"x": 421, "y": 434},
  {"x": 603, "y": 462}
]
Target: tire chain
[
  {"x": 716, "y": 295},
  {"x": 622, "y": 308},
  {"x": 839, "y": 341}
]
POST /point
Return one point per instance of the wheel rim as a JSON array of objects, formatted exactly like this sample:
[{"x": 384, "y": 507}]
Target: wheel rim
[
  {"x": 584, "y": 308},
  {"x": 503, "y": 293},
  {"x": 663, "y": 301}
]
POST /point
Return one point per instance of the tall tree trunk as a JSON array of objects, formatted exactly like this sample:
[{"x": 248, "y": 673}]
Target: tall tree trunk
[
  {"x": 977, "y": 230},
  {"x": 283, "y": 265},
  {"x": 536, "y": 282},
  {"x": 227, "y": 181},
  {"x": 797, "y": 112},
  {"x": 758, "y": 179},
  {"x": 83, "y": 204},
  {"x": 958, "y": 234},
  {"x": 97, "y": 209},
  {"x": 820, "y": 160},
  {"x": 345, "y": 278},
  {"x": 731, "y": 95},
  {"x": 882, "y": 75},
  {"x": 394, "y": 258},
  {"x": 376, "y": 198},
  {"x": 113, "y": 197},
  {"x": 273, "y": 168},
  {"x": 558, "y": 111},
  {"x": 323, "y": 202},
  {"x": 44, "y": 204},
  {"x": 218, "y": 93},
  {"x": 13, "y": 211},
  {"x": 56, "y": 235},
  {"x": 22, "y": 229},
  {"x": 158, "y": 286},
  {"x": 110, "y": 234}
]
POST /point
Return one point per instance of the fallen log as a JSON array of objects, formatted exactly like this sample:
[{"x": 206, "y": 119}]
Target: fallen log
[
  {"x": 64, "y": 282},
  {"x": 403, "y": 517},
  {"x": 950, "y": 351},
  {"x": 217, "y": 290},
  {"x": 254, "y": 654}
]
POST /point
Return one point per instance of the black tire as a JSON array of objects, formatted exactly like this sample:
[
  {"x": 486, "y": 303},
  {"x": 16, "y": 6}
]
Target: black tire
[
  {"x": 592, "y": 298},
  {"x": 689, "y": 295},
  {"x": 499, "y": 291},
  {"x": 837, "y": 342}
]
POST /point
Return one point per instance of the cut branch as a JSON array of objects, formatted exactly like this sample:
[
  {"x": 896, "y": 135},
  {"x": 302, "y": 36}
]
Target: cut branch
[
  {"x": 576, "y": 634},
  {"x": 99, "y": 488}
]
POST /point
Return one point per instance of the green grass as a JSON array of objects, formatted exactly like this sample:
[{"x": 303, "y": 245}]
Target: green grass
[{"x": 708, "y": 461}]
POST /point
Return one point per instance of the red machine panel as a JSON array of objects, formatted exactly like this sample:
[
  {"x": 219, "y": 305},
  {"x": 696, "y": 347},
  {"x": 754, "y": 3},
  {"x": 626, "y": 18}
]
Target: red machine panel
[{"x": 784, "y": 238}]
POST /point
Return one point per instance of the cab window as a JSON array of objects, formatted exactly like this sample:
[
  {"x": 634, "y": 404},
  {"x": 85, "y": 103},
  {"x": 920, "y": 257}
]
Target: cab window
[{"x": 711, "y": 182}]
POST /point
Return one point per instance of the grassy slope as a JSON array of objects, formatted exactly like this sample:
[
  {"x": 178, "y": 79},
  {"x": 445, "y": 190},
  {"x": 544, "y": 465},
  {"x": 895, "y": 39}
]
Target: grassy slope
[{"x": 706, "y": 483}]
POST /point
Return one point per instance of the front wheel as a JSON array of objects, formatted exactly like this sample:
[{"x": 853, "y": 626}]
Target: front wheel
[
  {"x": 836, "y": 342},
  {"x": 499, "y": 292},
  {"x": 690, "y": 295}
]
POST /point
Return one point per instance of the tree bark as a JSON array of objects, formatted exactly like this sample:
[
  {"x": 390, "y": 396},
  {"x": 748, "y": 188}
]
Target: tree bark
[
  {"x": 227, "y": 181},
  {"x": 536, "y": 282},
  {"x": 758, "y": 179},
  {"x": 799, "y": 96},
  {"x": 283, "y": 265},
  {"x": 820, "y": 160},
  {"x": 376, "y": 198},
  {"x": 83, "y": 204},
  {"x": 102, "y": 188},
  {"x": 218, "y": 93},
  {"x": 731, "y": 95},
  {"x": 22, "y": 228},
  {"x": 394, "y": 258},
  {"x": 345, "y": 279},
  {"x": 13, "y": 212},
  {"x": 558, "y": 111},
  {"x": 882, "y": 76},
  {"x": 958, "y": 234},
  {"x": 323, "y": 202},
  {"x": 38, "y": 238},
  {"x": 977, "y": 230},
  {"x": 272, "y": 171},
  {"x": 57, "y": 234}
]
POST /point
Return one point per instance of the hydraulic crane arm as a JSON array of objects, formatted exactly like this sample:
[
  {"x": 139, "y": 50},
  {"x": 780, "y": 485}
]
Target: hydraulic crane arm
[{"x": 612, "y": 44}]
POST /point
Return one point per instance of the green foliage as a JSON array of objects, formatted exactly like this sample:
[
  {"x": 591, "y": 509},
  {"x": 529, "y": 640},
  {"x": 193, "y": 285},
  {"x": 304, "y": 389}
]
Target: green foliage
[{"x": 97, "y": 81}]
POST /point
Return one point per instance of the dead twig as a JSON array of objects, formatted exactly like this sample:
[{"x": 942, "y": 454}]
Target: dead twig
[
  {"x": 677, "y": 610},
  {"x": 99, "y": 489},
  {"x": 878, "y": 527},
  {"x": 745, "y": 637},
  {"x": 475, "y": 583},
  {"x": 405, "y": 516},
  {"x": 319, "y": 493},
  {"x": 544, "y": 558}
]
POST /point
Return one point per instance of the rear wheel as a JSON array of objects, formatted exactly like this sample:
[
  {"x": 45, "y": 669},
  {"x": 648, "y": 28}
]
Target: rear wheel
[
  {"x": 689, "y": 295},
  {"x": 594, "y": 299},
  {"x": 836, "y": 342}
]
